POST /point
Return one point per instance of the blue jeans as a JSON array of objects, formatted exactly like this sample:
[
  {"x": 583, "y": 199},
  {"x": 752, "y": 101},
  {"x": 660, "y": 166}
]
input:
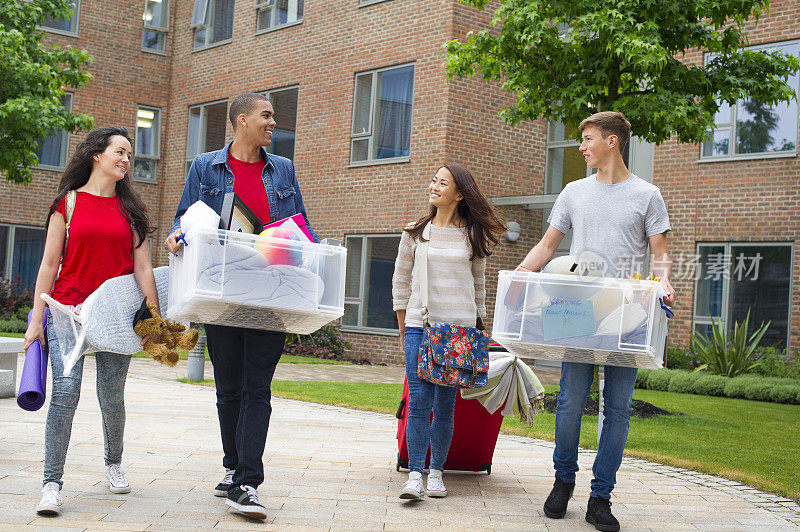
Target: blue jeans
[
  {"x": 426, "y": 397},
  {"x": 244, "y": 362},
  {"x": 112, "y": 370},
  {"x": 576, "y": 379}
]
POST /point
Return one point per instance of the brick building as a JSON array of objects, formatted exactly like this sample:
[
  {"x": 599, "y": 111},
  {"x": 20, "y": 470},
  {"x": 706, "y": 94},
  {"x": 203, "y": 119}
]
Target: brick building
[{"x": 364, "y": 111}]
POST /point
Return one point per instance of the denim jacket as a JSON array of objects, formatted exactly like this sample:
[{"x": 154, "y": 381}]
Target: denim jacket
[{"x": 210, "y": 177}]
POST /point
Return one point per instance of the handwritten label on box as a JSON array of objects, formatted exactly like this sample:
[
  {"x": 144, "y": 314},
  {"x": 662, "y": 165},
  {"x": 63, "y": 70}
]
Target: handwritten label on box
[{"x": 565, "y": 318}]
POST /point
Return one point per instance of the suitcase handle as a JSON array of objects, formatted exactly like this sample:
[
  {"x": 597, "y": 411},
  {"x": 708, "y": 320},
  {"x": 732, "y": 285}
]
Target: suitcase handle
[{"x": 399, "y": 414}]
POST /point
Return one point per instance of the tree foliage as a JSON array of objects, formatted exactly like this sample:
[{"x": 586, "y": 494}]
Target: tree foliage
[
  {"x": 32, "y": 81},
  {"x": 565, "y": 59}
]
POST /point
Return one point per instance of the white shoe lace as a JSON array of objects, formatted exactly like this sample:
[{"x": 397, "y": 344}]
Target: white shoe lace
[
  {"x": 51, "y": 494},
  {"x": 251, "y": 491},
  {"x": 116, "y": 476},
  {"x": 228, "y": 479},
  {"x": 435, "y": 483}
]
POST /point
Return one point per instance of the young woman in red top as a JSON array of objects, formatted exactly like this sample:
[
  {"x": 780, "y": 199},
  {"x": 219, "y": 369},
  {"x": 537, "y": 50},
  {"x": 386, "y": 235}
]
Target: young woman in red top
[{"x": 107, "y": 229}]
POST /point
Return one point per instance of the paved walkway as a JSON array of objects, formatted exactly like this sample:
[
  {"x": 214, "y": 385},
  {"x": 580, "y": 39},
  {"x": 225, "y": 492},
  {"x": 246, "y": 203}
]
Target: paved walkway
[{"x": 327, "y": 468}]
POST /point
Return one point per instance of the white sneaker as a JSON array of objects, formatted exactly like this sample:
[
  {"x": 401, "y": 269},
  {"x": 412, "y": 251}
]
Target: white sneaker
[
  {"x": 51, "y": 500},
  {"x": 436, "y": 484},
  {"x": 413, "y": 488},
  {"x": 117, "y": 483}
]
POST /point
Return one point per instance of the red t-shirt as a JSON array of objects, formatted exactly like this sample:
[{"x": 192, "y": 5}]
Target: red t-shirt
[
  {"x": 100, "y": 247},
  {"x": 249, "y": 187}
]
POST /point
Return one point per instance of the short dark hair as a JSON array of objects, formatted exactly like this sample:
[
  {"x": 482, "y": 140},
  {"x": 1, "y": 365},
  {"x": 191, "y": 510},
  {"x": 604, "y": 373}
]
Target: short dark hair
[
  {"x": 610, "y": 123},
  {"x": 243, "y": 105}
]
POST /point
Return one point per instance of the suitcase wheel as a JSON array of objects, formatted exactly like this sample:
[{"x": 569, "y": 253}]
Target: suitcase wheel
[{"x": 397, "y": 467}]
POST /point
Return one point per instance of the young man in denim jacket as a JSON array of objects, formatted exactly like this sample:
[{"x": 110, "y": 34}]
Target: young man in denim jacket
[
  {"x": 244, "y": 360},
  {"x": 614, "y": 216}
]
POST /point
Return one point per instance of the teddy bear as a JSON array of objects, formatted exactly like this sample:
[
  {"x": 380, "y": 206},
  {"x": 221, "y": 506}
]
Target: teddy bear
[{"x": 171, "y": 335}]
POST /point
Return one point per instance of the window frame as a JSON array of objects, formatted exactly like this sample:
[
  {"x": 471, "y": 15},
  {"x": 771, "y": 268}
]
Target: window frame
[
  {"x": 74, "y": 20},
  {"x": 156, "y": 142},
  {"x": 268, "y": 93},
  {"x": 372, "y": 116},
  {"x": 365, "y": 3},
  {"x": 7, "y": 268},
  {"x": 273, "y": 6},
  {"x": 732, "y": 127},
  {"x": 210, "y": 7},
  {"x": 556, "y": 145},
  {"x": 725, "y": 307},
  {"x": 361, "y": 327},
  {"x": 64, "y": 144},
  {"x": 163, "y": 30},
  {"x": 188, "y": 159}
]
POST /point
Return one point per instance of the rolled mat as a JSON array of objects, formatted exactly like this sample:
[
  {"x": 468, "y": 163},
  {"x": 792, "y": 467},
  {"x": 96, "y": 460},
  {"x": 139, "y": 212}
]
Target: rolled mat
[{"x": 33, "y": 383}]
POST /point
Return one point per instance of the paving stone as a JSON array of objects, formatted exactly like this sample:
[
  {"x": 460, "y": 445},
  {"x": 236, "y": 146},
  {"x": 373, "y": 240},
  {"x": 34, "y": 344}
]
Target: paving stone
[{"x": 330, "y": 468}]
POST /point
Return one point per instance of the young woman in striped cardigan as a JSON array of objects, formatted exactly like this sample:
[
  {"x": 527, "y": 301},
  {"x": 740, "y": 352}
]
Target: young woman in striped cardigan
[{"x": 463, "y": 230}]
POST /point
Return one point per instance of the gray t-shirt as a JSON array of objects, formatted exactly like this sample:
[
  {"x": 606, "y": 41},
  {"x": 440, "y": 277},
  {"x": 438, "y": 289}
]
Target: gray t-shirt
[{"x": 610, "y": 223}]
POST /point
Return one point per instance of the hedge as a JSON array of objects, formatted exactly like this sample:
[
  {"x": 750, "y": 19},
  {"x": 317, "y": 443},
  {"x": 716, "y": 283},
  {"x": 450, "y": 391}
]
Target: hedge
[{"x": 751, "y": 386}]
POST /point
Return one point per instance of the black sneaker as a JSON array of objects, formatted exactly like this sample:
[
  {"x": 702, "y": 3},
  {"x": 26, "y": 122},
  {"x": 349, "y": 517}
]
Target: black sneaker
[
  {"x": 244, "y": 499},
  {"x": 555, "y": 507},
  {"x": 222, "y": 488},
  {"x": 598, "y": 513}
]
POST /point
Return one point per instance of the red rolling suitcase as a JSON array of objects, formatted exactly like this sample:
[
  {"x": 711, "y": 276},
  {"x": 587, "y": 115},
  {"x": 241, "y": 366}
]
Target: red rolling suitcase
[{"x": 475, "y": 434}]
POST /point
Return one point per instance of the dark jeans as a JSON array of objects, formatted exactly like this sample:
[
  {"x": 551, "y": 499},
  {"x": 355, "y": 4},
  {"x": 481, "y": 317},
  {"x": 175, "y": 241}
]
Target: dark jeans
[{"x": 244, "y": 362}]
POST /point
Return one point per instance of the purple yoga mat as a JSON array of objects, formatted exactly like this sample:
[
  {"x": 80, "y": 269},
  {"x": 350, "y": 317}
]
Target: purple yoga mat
[{"x": 33, "y": 383}]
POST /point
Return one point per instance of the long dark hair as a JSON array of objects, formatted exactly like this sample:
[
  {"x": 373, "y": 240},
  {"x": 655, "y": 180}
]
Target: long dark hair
[
  {"x": 77, "y": 174},
  {"x": 483, "y": 226}
]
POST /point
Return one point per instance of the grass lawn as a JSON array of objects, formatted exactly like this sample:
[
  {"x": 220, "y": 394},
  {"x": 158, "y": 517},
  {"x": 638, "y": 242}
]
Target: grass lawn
[{"x": 749, "y": 441}]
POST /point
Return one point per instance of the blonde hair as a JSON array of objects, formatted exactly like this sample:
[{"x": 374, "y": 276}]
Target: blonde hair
[{"x": 610, "y": 123}]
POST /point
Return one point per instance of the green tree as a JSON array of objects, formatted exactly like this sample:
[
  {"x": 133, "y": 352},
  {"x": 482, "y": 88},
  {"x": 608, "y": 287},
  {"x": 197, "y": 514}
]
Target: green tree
[
  {"x": 565, "y": 59},
  {"x": 32, "y": 81}
]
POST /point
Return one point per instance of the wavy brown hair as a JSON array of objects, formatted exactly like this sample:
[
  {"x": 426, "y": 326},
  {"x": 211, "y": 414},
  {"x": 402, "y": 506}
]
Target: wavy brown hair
[
  {"x": 79, "y": 168},
  {"x": 483, "y": 226}
]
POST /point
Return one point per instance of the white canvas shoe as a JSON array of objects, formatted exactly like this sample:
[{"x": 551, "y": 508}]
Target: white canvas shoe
[
  {"x": 413, "y": 488},
  {"x": 436, "y": 484},
  {"x": 117, "y": 483},
  {"x": 51, "y": 500}
]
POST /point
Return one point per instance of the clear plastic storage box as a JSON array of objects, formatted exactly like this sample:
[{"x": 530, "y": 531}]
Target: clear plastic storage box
[
  {"x": 258, "y": 282},
  {"x": 613, "y": 322}
]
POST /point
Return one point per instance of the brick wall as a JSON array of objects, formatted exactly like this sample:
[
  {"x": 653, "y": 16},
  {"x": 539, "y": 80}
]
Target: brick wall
[{"x": 452, "y": 122}]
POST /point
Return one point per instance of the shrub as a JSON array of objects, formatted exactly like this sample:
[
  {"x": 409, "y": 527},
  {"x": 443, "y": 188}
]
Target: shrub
[
  {"x": 680, "y": 357},
  {"x": 683, "y": 382},
  {"x": 13, "y": 295},
  {"x": 659, "y": 379},
  {"x": 13, "y": 325},
  {"x": 785, "y": 393},
  {"x": 326, "y": 342},
  {"x": 777, "y": 363},
  {"x": 641, "y": 378},
  {"x": 729, "y": 357},
  {"x": 708, "y": 384}
]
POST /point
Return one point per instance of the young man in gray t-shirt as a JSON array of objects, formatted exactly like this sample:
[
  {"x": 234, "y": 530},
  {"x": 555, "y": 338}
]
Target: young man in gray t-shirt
[{"x": 614, "y": 216}]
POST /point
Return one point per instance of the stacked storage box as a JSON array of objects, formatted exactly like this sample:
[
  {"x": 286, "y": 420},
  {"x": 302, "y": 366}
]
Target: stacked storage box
[
  {"x": 614, "y": 322},
  {"x": 258, "y": 282}
]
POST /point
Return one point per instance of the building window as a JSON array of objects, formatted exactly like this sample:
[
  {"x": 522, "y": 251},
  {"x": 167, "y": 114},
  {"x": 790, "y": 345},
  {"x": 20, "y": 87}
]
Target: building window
[
  {"x": 66, "y": 26},
  {"x": 382, "y": 115},
  {"x": 147, "y": 148},
  {"x": 52, "y": 150},
  {"x": 156, "y": 23},
  {"x": 362, "y": 3},
  {"x": 564, "y": 162},
  {"x": 206, "y": 129},
  {"x": 284, "y": 103},
  {"x": 751, "y": 129},
  {"x": 732, "y": 278},
  {"x": 21, "y": 250},
  {"x": 271, "y": 14},
  {"x": 212, "y": 21},
  {"x": 368, "y": 285}
]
